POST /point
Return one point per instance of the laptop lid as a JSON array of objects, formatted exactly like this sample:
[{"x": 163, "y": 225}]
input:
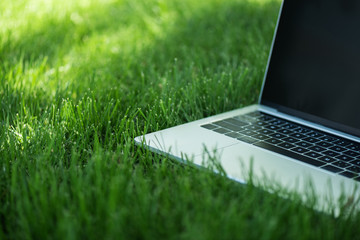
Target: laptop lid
[{"x": 314, "y": 68}]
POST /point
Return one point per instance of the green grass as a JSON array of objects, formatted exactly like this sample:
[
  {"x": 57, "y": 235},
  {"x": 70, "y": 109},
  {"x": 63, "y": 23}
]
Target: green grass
[{"x": 80, "y": 79}]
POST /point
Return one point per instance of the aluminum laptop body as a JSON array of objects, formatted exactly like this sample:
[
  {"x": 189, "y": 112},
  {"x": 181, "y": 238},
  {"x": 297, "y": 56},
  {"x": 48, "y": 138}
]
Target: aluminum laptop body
[{"x": 311, "y": 93}]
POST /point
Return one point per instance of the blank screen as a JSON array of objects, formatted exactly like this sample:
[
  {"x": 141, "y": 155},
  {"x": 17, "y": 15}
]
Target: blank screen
[{"x": 314, "y": 68}]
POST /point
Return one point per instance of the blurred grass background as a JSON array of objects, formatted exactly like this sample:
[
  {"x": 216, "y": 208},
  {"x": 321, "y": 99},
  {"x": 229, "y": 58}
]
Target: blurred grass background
[{"x": 80, "y": 79}]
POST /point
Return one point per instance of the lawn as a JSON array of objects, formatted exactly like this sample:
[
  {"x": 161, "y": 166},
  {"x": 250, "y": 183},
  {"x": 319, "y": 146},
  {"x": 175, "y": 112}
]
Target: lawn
[{"x": 80, "y": 79}]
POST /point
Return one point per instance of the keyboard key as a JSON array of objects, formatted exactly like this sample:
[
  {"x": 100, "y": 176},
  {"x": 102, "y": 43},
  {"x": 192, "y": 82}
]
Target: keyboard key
[
  {"x": 288, "y": 153},
  {"x": 286, "y": 145},
  {"x": 247, "y": 139},
  {"x": 229, "y": 126},
  {"x": 299, "y": 150},
  {"x": 290, "y": 140},
  {"x": 332, "y": 168},
  {"x": 325, "y": 144},
  {"x": 290, "y": 126},
  {"x": 277, "y": 122},
  {"x": 221, "y": 130},
  {"x": 278, "y": 135},
  {"x": 354, "y": 146},
  {"x": 261, "y": 123},
  {"x": 298, "y": 135},
  {"x": 236, "y": 122},
  {"x": 311, "y": 140},
  {"x": 317, "y": 149},
  {"x": 328, "y": 138},
  {"x": 234, "y": 135},
  {"x": 252, "y": 127},
  {"x": 304, "y": 144},
  {"x": 352, "y": 153},
  {"x": 260, "y": 137},
  {"x": 356, "y": 162},
  {"x": 271, "y": 127},
  {"x": 315, "y": 134},
  {"x": 313, "y": 154},
  {"x": 284, "y": 131},
  {"x": 248, "y": 132},
  {"x": 302, "y": 130},
  {"x": 337, "y": 149},
  {"x": 209, "y": 126},
  {"x": 244, "y": 118},
  {"x": 344, "y": 158},
  {"x": 341, "y": 164},
  {"x": 330, "y": 153},
  {"x": 342, "y": 143},
  {"x": 266, "y": 131},
  {"x": 327, "y": 159},
  {"x": 273, "y": 141}
]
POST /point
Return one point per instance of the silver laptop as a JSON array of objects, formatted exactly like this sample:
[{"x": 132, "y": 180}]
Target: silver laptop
[{"x": 304, "y": 133}]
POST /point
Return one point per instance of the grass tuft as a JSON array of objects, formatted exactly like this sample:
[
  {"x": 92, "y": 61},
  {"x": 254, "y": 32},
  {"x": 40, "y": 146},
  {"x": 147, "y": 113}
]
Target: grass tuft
[{"x": 80, "y": 79}]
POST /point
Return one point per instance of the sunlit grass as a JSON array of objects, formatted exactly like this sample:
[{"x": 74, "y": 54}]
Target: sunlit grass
[
  {"x": 80, "y": 79},
  {"x": 71, "y": 36}
]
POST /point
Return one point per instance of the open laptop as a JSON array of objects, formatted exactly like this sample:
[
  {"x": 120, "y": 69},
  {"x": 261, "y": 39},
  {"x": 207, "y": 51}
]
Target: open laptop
[{"x": 306, "y": 126}]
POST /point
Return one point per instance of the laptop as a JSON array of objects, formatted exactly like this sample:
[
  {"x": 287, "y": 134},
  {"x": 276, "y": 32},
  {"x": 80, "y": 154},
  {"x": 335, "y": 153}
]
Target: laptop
[{"x": 304, "y": 132}]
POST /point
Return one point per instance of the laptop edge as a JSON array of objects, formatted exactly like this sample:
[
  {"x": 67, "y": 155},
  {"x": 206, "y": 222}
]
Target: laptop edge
[{"x": 192, "y": 144}]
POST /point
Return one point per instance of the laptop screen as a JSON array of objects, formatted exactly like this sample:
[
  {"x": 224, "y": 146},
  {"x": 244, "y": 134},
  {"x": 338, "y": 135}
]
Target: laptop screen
[{"x": 314, "y": 68}]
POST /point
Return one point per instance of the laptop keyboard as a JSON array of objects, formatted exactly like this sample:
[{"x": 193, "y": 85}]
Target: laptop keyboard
[{"x": 314, "y": 147}]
